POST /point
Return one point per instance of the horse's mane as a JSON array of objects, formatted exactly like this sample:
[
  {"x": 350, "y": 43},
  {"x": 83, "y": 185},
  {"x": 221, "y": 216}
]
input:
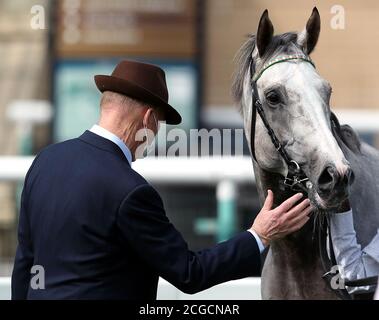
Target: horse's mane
[
  {"x": 285, "y": 43},
  {"x": 243, "y": 60},
  {"x": 347, "y": 134}
]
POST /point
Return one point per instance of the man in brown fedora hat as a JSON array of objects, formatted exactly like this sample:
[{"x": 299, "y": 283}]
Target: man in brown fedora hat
[{"x": 99, "y": 230}]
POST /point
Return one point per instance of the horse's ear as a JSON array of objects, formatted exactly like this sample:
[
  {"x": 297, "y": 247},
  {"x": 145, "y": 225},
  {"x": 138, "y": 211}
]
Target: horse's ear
[
  {"x": 309, "y": 37},
  {"x": 264, "y": 33}
]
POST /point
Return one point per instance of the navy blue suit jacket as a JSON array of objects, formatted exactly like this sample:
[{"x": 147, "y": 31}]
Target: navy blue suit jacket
[{"x": 100, "y": 231}]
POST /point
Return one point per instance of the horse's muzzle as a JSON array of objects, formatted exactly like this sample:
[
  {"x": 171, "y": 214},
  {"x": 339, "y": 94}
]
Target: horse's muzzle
[{"x": 334, "y": 183}]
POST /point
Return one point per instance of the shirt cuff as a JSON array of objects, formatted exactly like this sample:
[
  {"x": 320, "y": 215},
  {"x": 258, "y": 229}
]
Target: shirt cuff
[
  {"x": 259, "y": 241},
  {"x": 342, "y": 224},
  {"x": 350, "y": 212}
]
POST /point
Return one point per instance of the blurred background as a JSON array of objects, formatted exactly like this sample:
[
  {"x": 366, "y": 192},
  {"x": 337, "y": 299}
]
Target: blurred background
[{"x": 47, "y": 64}]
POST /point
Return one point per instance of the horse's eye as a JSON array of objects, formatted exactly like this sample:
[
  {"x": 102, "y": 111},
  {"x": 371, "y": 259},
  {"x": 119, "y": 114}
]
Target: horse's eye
[{"x": 272, "y": 97}]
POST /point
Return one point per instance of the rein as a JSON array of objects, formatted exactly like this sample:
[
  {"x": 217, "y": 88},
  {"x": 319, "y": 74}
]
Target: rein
[{"x": 297, "y": 181}]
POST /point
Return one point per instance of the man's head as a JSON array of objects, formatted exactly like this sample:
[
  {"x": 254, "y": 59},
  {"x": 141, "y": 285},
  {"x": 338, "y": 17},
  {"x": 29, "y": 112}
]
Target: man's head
[
  {"x": 142, "y": 82},
  {"x": 135, "y": 99},
  {"x": 134, "y": 121}
]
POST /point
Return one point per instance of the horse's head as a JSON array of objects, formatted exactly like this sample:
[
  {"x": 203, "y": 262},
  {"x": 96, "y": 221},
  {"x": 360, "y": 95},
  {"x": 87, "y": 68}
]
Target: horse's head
[{"x": 295, "y": 100}]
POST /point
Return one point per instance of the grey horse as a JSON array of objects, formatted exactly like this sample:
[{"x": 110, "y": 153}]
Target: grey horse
[{"x": 295, "y": 99}]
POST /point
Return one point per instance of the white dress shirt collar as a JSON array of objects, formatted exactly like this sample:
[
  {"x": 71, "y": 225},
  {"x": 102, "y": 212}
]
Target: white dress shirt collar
[{"x": 100, "y": 131}]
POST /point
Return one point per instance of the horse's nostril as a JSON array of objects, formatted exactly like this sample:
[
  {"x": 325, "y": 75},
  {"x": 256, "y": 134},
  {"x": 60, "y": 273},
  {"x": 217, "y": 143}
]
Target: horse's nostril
[
  {"x": 330, "y": 179},
  {"x": 345, "y": 180},
  {"x": 348, "y": 178},
  {"x": 326, "y": 179},
  {"x": 351, "y": 177}
]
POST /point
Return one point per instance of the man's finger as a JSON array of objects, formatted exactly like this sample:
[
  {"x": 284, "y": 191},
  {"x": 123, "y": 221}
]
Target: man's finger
[
  {"x": 298, "y": 225},
  {"x": 289, "y": 203},
  {"x": 269, "y": 201},
  {"x": 295, "y": 211},
  {"x": 301, "y": 216}
]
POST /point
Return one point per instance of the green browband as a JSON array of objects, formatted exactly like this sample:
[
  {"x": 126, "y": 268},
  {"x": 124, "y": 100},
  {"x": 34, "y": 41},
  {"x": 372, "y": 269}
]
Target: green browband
[{"x": 280, "y": 59}]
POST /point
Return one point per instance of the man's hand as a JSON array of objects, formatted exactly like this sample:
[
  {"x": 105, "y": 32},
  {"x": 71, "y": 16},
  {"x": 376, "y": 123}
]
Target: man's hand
[{"x": 271, "y": 224}]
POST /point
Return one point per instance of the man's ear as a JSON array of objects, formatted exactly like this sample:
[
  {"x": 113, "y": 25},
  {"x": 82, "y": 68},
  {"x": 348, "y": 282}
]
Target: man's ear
[
  {"x": 145, "y": 119},
  {"x": 150, "y": 115}
]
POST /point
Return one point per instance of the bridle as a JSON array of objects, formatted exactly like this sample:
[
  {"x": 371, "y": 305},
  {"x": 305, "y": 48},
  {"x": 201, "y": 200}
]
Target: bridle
[{"x": 296, "y": 180}]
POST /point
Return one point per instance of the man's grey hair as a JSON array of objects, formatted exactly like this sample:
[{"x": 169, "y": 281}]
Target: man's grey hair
[{"x": 111, "y": 98}]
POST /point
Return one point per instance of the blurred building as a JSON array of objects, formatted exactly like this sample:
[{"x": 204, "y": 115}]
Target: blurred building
[{"x": 24, "y": 74}]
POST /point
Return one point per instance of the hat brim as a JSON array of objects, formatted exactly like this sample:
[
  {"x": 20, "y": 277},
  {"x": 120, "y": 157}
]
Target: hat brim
[{"x": 128, "y": 88}]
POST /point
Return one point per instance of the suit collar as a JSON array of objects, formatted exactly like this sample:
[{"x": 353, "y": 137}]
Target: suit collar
[
  {"x": 102, "y": 132},
  {"x": 103, "y": 143}
]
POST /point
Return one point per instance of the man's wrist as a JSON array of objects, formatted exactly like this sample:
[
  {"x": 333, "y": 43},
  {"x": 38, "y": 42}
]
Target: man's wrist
[{"x": 262, "y": 243}]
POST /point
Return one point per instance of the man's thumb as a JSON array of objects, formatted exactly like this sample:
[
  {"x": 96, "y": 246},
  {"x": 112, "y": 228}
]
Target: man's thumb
[{"x": 269, "y": 200}]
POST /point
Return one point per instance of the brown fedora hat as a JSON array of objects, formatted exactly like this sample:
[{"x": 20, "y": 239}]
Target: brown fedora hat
[{"x": 141, "y": 81}]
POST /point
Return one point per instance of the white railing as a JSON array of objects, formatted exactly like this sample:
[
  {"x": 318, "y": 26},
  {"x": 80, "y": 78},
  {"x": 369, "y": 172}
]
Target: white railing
[
  {"x": 183, "y": 170},
  {"x": 244, "y": 289},
  {"x": 5, "y": 288}
]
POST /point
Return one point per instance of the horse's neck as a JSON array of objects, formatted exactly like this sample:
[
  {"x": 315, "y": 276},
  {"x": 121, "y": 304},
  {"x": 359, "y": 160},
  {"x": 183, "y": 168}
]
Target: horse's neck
[{"x": 364, "y": 191}]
